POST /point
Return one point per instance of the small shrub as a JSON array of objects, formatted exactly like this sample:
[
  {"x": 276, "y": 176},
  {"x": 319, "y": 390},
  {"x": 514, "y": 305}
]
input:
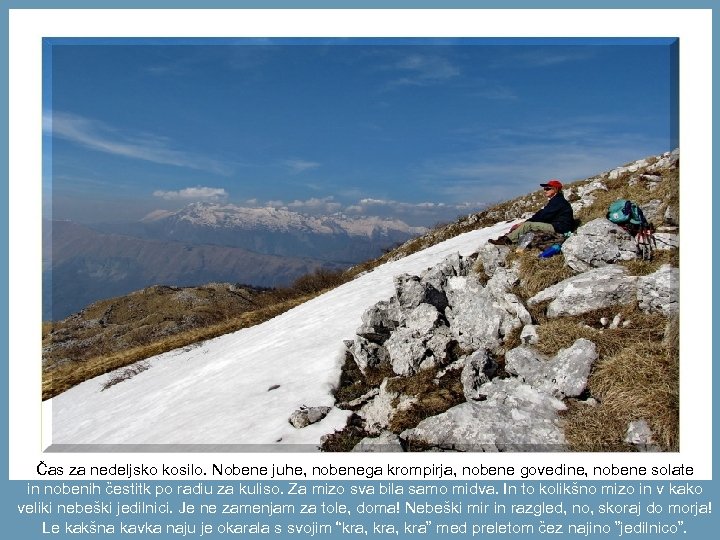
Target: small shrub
[
  {"x": 353, "y": 384},
  {"x": 433, "y": 396},
  {"x": 345, "y": 439}
]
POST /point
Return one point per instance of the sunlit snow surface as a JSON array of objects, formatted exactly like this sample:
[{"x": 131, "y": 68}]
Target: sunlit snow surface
[{"x": 218, "y": 392}]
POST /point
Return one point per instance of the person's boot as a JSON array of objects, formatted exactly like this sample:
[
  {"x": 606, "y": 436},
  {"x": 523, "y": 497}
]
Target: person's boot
[{"x": 502, "y": 241}]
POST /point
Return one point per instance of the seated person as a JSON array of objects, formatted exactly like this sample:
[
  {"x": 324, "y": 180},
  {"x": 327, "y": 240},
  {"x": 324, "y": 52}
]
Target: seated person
[{"x": 555, "y": 217}]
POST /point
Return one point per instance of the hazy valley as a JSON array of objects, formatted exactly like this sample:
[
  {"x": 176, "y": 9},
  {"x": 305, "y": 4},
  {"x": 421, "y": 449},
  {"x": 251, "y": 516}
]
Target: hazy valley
[{"x": 261, "y": 247}]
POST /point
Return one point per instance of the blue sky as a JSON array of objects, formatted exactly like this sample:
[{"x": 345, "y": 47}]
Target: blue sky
[{"x": 421, "y": 130}]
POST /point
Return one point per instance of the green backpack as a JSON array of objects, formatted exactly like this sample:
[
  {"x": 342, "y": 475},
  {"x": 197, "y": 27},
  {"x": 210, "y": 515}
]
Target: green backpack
[
  {"x": 630, "y": 217},
  {"x": 625, "y": 212}
]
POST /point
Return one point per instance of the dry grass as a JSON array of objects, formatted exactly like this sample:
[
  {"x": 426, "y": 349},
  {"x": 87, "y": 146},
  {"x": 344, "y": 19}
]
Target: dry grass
[
  {"x": 641, "y": 381},
  {"x": 635, "y": 377},
  {"x": 119, "y": 332},
  {"x": 61, "y": 377},
  {"x": 560, "y": 333},
  {"x": 345, "y": 439},
  {"x": 433, "y": 396},
  {"x": 353, "y": 384},
  {"x": 639, "y": 267},
  {"x": 537, "y": 274}
]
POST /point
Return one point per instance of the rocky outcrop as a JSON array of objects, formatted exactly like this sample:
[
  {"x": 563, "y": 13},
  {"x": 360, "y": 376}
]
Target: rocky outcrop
[
  {"x": 599, "y": 288},
  {"x": 445, "y": 318},
  {"x": 612, "y": 286},
  {"x": 513, "y": 417},
  {"x": 598, "y": 243},
  {"x": 564, "y": 375},
  {"x": 430, "y": 315},
  {"x": 458, "y": 323}
]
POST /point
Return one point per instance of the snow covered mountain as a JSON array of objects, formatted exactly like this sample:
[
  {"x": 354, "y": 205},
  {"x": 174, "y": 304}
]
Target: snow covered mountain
[
  {"x": 216, "y": 215},
  {"x": 241, "y": 388},
  {"x": 334, "y": 238}
]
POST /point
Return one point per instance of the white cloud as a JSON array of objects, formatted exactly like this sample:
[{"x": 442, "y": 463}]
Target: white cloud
[
  {"x": 314, "y": 204},
  {"x": 376, "y": 202},
  {"x": 101, "y": 137},
  {"x": 422, "y": 213},
  {"x": 301, "y": 165},
  {"x": 198, "y": 193}
]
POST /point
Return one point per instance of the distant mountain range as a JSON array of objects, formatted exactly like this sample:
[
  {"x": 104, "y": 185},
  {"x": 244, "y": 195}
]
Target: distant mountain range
[
  {"x": 202, "y": 243},
  {"x": 271, "y": 231}
]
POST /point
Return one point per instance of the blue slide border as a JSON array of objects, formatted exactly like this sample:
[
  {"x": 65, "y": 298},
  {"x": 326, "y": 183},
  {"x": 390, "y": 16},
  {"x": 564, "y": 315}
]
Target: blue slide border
[{"x": 9, "y": 490}]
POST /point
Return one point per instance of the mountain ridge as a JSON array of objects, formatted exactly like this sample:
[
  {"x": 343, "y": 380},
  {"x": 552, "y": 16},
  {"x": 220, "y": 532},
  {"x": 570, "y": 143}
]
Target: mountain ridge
[{"x": 281, "y": 219}]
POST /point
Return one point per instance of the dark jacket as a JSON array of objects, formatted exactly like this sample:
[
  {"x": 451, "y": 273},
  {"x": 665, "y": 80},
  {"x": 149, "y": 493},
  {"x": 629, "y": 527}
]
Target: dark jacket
[{"x": 558, "y": 213}]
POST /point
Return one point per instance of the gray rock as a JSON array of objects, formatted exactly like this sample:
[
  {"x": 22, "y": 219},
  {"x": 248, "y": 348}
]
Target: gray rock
[
  {"x": 595, "y": 289},
  {"x": 668, "y": 160},
  {"x": 423, "y": 319},
  {"x": 598, "y": 243},
  {"x": 666, "y": 241},
  {"x": 481, "y": 317},
  {"x": 633, "y": 167},
  {"x": 653, "y": 211},
  {"x": 671, "y": 216},
  {"x": 379, "y": 412},
  {"x": 564, "y": 375},
  {"x": 660, "y": 291},
  {"x": 305, "y": 416},
  {"x": 406, "y": 350},
  {"x": 410, "y": 292},
  {"x": 477, "y": 370},
  {"x": 502, "y": 280},
  {"x": 585, "y": 194},
  {"x": 378, "y": 321},
  {"x": 529, "y": 335},
  {"x": 368, "y": 354},
  {"x": 440, "y": 345},
  {"x": 515, "y": 417},
  {"x": 639, "y": 435},
  {"x": 452, "y": 265},
  {"x": 385, "y": 442},
  {"x": 493, "y": 257},
  {"x": 587, "y": 189}
]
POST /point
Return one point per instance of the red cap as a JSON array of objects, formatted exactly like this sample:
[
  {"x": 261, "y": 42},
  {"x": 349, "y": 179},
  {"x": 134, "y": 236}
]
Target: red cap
[{"x": 557, "y": 184}]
